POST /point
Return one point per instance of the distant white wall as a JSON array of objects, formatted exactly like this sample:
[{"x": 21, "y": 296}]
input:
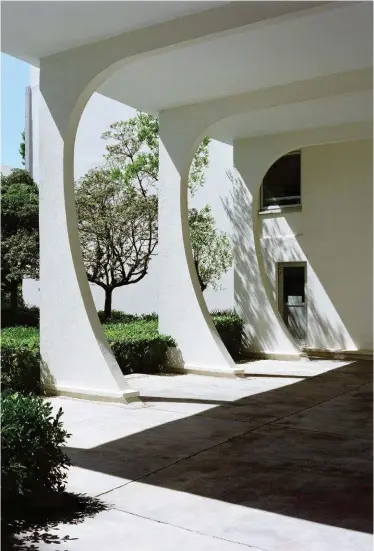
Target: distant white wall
[
  {"x": 334, "y": 235},
  {"x": 6, "y": 170},
  {"x": 99, "y": 113}
]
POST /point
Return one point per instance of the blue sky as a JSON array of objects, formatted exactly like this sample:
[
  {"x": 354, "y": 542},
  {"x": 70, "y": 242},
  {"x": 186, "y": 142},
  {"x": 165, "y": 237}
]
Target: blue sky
[{"x": 15, "y": 76}]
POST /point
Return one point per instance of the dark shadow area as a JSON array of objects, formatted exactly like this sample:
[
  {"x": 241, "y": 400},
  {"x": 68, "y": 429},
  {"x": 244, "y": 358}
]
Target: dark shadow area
[
  {"x": 26, "y": 524},
  {"x": 303, "y": 450}
]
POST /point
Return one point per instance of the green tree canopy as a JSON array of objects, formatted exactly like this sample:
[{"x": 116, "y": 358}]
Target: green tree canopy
[
  {"x": 118, "y": 230},
  {"x": 22, "y": 148},
  {"x": 211, "y": 249},
  {"x": 133, "y": 151},
  {"x": 19, "y": 231}
]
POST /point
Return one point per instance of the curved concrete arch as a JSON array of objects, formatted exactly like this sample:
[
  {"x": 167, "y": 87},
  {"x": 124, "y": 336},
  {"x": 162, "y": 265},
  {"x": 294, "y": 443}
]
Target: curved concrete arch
[
  {"x": 259, "y": 154},
  {"x": 78, "y": 360},
  {"x": 259, "y": 166},
  {"x": 183, "y": 312},
  {"x": 201, "y": 346},
  {"x": 84, "y": 69}
]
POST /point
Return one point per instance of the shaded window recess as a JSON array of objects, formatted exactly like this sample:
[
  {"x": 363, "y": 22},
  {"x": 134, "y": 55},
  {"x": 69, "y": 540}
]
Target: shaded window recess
[
  {"x": 281, "y": 186},
  {"x": 292, "y": 299}
]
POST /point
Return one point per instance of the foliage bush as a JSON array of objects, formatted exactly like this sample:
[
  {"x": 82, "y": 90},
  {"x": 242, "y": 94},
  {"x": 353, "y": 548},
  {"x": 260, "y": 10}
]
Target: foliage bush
[
  {"x": 121, "y": 317},
  {"x": 32, "y": 461},
  {"x": 20, "y": 359},
  {"x": 135, "y": 341},
  {"x": 138, "y": 347},
  {"x": 12, "y": 317},
  {"x": 230, "y": 329}
]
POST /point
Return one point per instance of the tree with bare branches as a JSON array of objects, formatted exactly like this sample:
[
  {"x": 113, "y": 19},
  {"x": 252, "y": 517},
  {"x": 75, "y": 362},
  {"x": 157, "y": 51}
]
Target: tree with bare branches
[{"x": 118, "y": 230}]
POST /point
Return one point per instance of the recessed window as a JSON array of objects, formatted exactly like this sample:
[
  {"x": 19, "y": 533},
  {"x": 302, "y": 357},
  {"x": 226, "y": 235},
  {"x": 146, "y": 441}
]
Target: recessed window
[
  {"x": 291, "y": 298},
  {"x": 281, "y": 186}
]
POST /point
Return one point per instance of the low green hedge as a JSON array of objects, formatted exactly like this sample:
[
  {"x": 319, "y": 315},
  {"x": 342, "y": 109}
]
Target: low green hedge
[
  {"x": 25, "y": 316},
  {"x": 32, "y": 461},
  {"x": 227, "y": 323},
  {"x": 230, "y": 329},
  {"x": 136, "y": 344},
  {"x": 121, "y": 317},
  {"x": 20, "y": 359}
]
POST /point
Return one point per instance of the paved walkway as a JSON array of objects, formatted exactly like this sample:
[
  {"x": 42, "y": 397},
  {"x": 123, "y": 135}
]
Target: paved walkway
[{"x": 278, "y": 461}]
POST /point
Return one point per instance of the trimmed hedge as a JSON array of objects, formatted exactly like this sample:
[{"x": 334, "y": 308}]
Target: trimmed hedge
[
  {"x": 230, "y": 329},
  {"x": 25, "y": 316},
  {"x": 20, "y": 359},
  {"x": 32, "y": 461},
  {"x": 121, "y": 317},
  {"x": 137, "y": 347},
  {"x": 136, "y": 344}
]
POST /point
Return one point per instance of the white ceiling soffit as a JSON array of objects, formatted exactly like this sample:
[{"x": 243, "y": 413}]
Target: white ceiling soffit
[
  {"x": 332, "y": 111},
  {"x": 315, "y": 43},
  {"x": 32, "y": 30}
]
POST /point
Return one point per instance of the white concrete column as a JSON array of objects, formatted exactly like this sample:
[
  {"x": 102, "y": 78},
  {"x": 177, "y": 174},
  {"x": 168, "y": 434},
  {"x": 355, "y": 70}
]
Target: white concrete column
[
  {"x": 77, "y": 359},
  {"x": 182, "y": 310}
]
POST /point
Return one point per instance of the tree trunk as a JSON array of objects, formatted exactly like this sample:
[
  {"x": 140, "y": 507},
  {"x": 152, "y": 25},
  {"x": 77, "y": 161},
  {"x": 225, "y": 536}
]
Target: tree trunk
[
  {"x": 203, "y": 286},
  {"x": 108, "y": 303},
  {"x": 14, "y": 294}
]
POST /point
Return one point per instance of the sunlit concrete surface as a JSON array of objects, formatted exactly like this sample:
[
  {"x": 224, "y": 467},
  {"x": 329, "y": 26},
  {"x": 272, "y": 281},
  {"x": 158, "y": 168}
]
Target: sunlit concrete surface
[{"x": 277, "y": 461}]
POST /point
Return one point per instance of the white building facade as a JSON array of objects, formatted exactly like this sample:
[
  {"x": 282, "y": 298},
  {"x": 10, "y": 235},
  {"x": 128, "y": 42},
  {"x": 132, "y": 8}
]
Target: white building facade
[{"x": 263, "y": 80}]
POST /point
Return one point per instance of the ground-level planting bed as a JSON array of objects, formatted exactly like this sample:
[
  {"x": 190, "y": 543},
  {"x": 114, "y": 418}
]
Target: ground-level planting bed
[{"x": 135, "y": 341}]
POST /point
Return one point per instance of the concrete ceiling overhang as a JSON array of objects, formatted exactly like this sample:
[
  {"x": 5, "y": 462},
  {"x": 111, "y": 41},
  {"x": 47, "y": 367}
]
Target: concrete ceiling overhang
[
  {"x": 32, "y": 30},
  {"x": 319, "y": 41},
  {"x": 286, "y": 43}
]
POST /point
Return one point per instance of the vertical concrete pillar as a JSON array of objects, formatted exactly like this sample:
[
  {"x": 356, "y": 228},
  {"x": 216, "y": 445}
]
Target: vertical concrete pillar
[
  {"x": 77, "y": 359},
  {"x": 182, "y": 310}
]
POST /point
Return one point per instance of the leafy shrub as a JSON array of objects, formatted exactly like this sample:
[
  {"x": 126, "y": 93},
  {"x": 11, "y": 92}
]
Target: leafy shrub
[
  {"x": 136, "y": 344},
  {"x": 32, "y": 461},
  {"x": 138, "y": 347},
  {"x": 230, "y": 329},
  {"x": 121, "y": 317},
  {"x": 116, "y": 317},
  {"x": 23, "y": 316},
  {"x": 20, "y": 359}
]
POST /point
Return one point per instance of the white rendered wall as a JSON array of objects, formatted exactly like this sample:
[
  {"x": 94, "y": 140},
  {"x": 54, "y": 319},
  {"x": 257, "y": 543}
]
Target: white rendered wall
[
  {"x": 6, "y": 170},
  {"x": 333, "y": 234},
  {"x": 99, "y": 113}
]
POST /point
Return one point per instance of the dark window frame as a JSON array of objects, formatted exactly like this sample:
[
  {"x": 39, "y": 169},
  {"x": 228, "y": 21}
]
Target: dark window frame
[{"x": 286, "y": 201}]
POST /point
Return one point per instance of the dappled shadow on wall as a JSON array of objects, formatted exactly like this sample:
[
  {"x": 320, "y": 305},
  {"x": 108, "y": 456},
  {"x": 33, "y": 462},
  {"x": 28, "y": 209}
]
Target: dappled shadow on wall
[
  {"x": 282, "y": 241},
  {"x": 250, "y": 297},
  {"x": 279, "y": 242}
]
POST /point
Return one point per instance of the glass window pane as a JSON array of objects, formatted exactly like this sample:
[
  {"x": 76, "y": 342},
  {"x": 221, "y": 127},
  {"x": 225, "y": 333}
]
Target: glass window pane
[{"x": 281, "y": 184}]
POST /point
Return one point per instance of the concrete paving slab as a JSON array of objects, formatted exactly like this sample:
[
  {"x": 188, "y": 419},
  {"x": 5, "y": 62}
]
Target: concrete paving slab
[
  {"x": 138, "y": 453},
  {"x": 194, "y": 396},
  {"x": 114, "y": 530},
  {"x": 193, "y": 457},
  {"x": 332, "y": 416},
  {"x": 307, "y": 368},
  {"x": 274, "y": 488},
  {"x": 91, "y": 424}
]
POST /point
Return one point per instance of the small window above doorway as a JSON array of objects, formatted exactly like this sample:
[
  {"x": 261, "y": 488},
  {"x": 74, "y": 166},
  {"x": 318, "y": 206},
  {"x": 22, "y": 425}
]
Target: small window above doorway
[{"x": 281, "y": 186}]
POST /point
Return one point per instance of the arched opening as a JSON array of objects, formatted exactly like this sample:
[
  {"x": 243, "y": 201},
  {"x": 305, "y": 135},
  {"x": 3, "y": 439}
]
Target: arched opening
[{"x": 210, "y": 230}]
